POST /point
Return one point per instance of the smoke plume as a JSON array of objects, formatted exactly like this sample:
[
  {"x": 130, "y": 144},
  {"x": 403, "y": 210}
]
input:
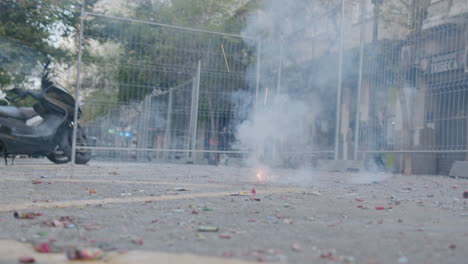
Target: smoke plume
[{"x": 280, "y": 130}]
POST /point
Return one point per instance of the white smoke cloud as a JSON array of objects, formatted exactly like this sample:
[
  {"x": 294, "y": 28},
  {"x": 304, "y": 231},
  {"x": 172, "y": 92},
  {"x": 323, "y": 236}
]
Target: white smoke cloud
[
  {"x": 279, "y": 130},
  {"x": 275, "y": 131}
]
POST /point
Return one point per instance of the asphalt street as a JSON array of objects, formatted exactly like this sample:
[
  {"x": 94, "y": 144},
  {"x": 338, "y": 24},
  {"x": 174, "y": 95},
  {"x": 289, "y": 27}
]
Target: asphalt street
[{"x": 163, "y": 213}]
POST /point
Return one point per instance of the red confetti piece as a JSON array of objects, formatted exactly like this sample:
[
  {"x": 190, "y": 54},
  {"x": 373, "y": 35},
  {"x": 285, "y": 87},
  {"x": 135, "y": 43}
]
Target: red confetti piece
[
  {"x": 42, "y": 248},
  {"x": 227, "y": 254},
  {"x": 138, "y": 241},
  {"x": 27, "y": 260},
  {"x": 224, "y": 236}
]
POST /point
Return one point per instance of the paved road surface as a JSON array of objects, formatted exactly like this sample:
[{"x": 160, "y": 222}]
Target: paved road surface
[{"x": 294, "y": 217}]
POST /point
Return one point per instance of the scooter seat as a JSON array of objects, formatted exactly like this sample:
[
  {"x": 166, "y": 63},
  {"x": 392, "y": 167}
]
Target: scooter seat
[{"x": 21, "y": 113}]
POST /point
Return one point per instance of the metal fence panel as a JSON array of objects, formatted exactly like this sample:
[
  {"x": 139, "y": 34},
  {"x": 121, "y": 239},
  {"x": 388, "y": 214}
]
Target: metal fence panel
[
  {"x": 302, "y": 67},
  {"x": 159, "y": 92},
  {"x": 391, "y": 86},
  {"x": 391, "y": 79},
  {"x": 403, "y": 77}
]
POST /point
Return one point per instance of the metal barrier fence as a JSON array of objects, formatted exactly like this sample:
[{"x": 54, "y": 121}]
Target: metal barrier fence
[
  {"x": 160, "y": 92},
  {"x": 381, "y": 86},
  {"x": 300, "y": 66},
  {"x": 394, "y": 83}
]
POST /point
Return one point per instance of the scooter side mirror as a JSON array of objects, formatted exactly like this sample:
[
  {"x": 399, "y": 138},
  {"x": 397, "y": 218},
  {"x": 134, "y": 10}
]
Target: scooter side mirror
[
  {"x": 3, "y": 95},
  {"x": 9, "y": 87}
]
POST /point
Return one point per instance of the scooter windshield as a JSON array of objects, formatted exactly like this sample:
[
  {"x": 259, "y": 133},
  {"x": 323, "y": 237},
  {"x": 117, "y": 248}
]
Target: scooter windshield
[{"x": 61, "y": 98}]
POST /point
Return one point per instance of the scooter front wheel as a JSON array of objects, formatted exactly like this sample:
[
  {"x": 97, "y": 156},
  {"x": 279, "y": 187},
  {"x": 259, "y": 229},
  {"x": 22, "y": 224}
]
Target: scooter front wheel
[
  {"x": 82, "y": 155},
  {"x": 63, "y": 152},
  {"x": 58, "y": 157}
]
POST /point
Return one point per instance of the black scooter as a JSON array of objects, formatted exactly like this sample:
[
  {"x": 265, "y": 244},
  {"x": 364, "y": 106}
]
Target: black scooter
[{"x": 46, "y": 129}]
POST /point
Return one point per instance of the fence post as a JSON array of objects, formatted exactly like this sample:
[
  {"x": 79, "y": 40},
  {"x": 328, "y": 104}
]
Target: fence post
[
  {"x": 280, "y": 66},
  {"x": 148, "y": 139},
  {"x": 167, "y": 134},
  {"x": 194, "y": 112},
  {"x": 357, "y": 126},
  {"x": 78, "y": 85},
  {"x": 340, "y": 85},
  {"x": 257, "y": 83}
]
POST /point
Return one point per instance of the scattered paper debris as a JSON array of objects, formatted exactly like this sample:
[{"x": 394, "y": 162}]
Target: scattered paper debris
[
  {"x": 245, "y": 193},
  {"x": 329, "y": 256},
  {"x": 18, "y": 215},
  {"x": 137, "y": 241},
  {"x": 403, "y": 260},
  {"x": 224, "y": 236},
  {"x": 208, "y": 229},
  {"x": 42, "y": 247},
  {"x": 26, "y": 260},
  {"x": 227, "y": 254},
  {"x": 85, "y": 254},
  {"x": 296, "y": 247}
]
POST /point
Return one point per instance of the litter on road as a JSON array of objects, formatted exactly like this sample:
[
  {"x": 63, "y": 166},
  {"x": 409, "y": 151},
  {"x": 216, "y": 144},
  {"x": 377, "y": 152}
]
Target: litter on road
[
  {"x": 42, "y": 247},
  {"x": 245, "y": 193},
  {"x": 403, "y": 260},
  {"x": 383, "y": 207},
  {"x": 18, "y": 215},
  {"x": 296, "y": 247},
  {"x": 137, "y": 241},
  {"x": 85, "y": 254},
  {"x": 224, "y": 236},
  {"x": 208, "y": 229},
  {"x": 26, "y": 260}
]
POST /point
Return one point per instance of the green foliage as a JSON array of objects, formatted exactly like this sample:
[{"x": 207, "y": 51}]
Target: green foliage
[
  {"x": 5, "y": 78},
  {"x": 29, "y": 31},
  {"x": 158, "y": 58},
  {"x": 238, "y": 21},
  {"x": 105, "y": 99},
  {"x": 202, "y": 14}
]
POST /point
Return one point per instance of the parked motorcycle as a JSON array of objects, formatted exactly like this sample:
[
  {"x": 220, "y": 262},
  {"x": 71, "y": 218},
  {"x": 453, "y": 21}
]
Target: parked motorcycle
[{"x": 46, "y": 129}]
